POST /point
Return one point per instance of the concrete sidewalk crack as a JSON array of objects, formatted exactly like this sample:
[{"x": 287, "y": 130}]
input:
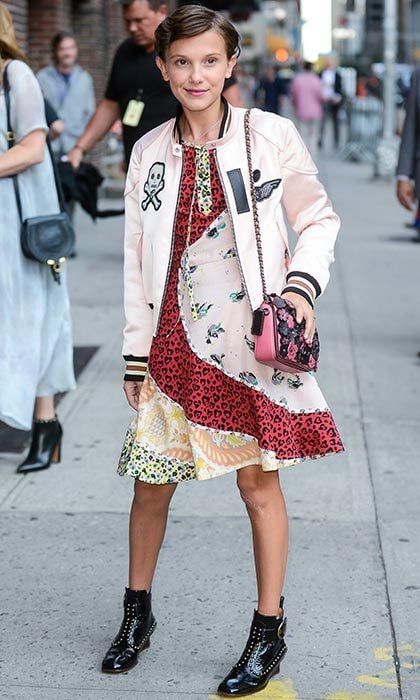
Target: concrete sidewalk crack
[{"x": 395, "y": 656}]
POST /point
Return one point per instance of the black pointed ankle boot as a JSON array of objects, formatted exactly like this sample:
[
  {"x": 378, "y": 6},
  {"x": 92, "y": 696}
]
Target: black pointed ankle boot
[
  {"x": 45, "y": 446},
  {"x": 134, "y": 635},
  {"x": 260, "y": 660}
]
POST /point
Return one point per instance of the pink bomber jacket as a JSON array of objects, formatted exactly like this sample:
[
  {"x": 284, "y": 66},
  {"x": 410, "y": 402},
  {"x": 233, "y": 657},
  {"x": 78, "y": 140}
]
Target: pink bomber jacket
[{"x": 287, "y": 189}]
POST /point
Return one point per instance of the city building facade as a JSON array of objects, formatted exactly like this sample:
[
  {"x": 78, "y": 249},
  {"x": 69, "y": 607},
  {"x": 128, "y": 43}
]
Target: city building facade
[{"x": 97, "y": 25}]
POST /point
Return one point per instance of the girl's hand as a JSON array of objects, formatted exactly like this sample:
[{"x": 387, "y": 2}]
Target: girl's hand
[
  {"x": 303, "y": 311},
  {"x": 132, "y": 392}
]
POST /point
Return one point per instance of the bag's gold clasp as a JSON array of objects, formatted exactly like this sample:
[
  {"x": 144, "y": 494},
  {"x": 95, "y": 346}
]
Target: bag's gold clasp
[
  {"x": 56, "y": 264},
  {"x": 10, "y": 135}
]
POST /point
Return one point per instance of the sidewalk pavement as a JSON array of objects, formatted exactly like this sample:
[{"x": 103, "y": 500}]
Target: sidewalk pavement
[{"x": 353, "y": 583}]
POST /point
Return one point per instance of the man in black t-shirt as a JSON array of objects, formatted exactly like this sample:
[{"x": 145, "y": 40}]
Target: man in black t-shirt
[
  {"x": 136, "y": 92},
  {"x": 135, "y": 76}
]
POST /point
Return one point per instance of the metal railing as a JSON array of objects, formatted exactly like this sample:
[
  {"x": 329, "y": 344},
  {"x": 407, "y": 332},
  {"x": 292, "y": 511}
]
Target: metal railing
[{"x": 365, "y": 120}]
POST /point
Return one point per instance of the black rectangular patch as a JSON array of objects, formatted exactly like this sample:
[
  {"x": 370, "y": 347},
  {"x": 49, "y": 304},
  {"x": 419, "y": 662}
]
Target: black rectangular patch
[
  {"x": 258, "y": 317},
  {"x": 239, "y": 191}
]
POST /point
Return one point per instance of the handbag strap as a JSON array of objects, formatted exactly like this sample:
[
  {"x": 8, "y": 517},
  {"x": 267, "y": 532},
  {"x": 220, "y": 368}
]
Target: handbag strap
[
  {"x": 254, "y": 203},
  {"x": 10, "y": 135}
]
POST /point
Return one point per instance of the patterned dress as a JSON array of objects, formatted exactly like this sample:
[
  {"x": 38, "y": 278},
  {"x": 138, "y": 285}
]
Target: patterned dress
[{"x": 206, "y": 406}]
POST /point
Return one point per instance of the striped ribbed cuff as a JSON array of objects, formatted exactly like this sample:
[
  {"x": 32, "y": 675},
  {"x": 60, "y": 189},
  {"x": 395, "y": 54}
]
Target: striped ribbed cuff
[
  {"x": 301, "y": 292},
  {"x": 135, "y": 369},
  {"x": 304, "y": 284}
]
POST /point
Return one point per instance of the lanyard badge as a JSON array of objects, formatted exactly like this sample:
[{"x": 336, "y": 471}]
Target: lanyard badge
[{"x": 134, "y": 110}]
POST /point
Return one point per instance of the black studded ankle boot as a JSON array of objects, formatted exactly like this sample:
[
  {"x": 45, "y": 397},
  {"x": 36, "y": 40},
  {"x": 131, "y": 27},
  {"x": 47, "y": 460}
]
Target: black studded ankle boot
[
  {"x": 261, "y": 657},
  {"x": 45, "y": 446},
  {"x": 134, "y": 635}
]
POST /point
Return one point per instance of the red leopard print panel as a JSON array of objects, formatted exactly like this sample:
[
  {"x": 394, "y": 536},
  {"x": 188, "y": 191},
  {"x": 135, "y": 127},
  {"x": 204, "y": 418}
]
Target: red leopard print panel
[{"x": 207, "y": 395}]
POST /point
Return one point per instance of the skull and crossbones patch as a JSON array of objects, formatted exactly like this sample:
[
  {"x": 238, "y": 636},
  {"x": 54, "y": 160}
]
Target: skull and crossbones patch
[{"x": 154, "y": 184}]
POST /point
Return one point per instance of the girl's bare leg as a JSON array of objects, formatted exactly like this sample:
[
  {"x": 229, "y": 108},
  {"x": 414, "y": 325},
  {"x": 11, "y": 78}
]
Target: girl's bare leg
[
  {"x": 44, "y": 408},
  {"x": 148, "y": 518},
  {"x": 266, "y": 508}
]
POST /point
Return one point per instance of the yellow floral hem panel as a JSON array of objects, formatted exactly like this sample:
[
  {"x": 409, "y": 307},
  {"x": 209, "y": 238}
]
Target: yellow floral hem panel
[
  {"x": 144, "y": 464},
  {"x": 162, "y": 446}
]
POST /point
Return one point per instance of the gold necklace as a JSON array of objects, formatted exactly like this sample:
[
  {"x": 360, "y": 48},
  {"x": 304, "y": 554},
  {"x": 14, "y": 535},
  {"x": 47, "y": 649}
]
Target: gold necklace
[{"x": 209, "y": 129}]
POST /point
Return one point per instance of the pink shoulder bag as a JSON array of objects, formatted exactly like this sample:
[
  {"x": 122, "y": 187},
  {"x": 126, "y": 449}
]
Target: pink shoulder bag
[{"x": 279, "y": 338}]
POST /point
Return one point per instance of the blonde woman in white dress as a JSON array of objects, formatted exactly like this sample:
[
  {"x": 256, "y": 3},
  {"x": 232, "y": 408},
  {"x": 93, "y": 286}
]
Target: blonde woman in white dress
[{"x": 36, "y": 355}]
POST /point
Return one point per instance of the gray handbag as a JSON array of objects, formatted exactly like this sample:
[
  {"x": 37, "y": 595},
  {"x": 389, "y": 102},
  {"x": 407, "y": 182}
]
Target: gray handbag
[{"x": 47, "y": 239}]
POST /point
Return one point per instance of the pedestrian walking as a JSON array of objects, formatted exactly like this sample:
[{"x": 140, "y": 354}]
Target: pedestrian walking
[
  {"x": 205, "y": 406},
  {"x": 136, "y": 92},
  {"x": 269, "y": 90},
  {"x": 408, "y": 168},
  {"x": 307, "y": 95},
  {"x": 333, "y": 97},
  {"x": 69, "y": 90},
  {"x": 36, "y": 355}
]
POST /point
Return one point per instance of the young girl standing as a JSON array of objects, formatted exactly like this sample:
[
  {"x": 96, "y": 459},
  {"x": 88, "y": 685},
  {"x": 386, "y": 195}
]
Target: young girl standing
[{"x": 205, "y": 405}]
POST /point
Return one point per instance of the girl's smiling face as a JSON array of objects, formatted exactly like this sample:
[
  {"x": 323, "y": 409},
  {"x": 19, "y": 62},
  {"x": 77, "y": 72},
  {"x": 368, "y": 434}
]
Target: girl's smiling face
[{"x": 196, "y": 69}]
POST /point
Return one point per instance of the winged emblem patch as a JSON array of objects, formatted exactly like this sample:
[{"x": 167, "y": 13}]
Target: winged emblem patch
[{"x": 265, "y": 190}]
